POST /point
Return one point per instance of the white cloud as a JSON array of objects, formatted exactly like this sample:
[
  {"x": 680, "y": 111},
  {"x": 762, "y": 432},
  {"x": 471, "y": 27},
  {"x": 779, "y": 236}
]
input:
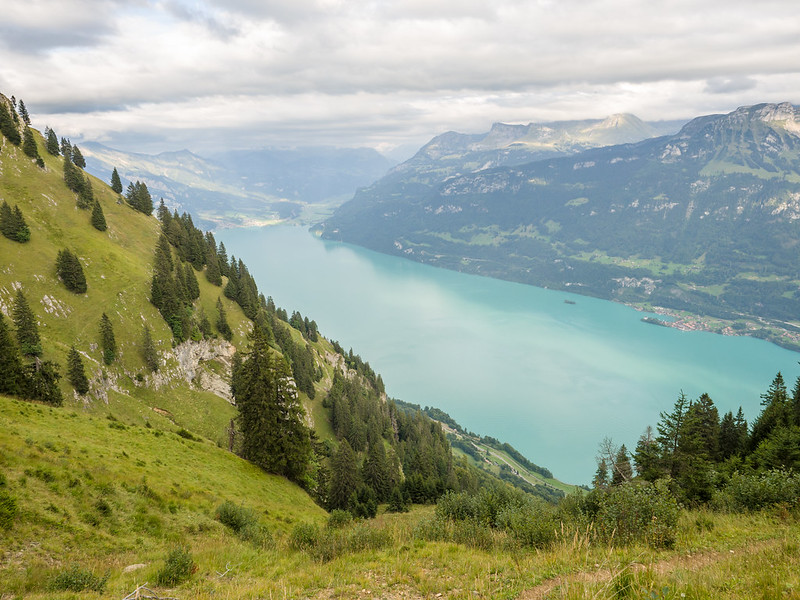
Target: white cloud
[{"x": 381, "y": 72}]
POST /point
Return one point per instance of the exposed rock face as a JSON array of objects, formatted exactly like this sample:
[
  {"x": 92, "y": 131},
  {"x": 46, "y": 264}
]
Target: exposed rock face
[{"x": 190, "y": 357}]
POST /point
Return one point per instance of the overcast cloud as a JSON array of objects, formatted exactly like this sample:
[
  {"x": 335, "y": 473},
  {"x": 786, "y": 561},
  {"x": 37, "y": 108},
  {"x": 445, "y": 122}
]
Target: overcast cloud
[{"x": 149, "y": 76}]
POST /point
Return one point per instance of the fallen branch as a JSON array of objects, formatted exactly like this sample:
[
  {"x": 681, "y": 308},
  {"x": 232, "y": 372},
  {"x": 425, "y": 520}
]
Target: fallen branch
[{"x": 148, "y": 594}]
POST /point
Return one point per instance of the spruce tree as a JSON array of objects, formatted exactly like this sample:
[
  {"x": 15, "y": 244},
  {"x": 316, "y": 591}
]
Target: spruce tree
[
  {"x": 72, "y": 176},
  {"x": 52, "y": 143},
  {"x": 86, "y": 194},
  {"x": 42, "y": 383},
  {"x": 192, "y": 286},
  {"x": 7, "y": 125},
  {"x": 107, "y": 342},
  {"x": 21, "y": 231},
  {"x": 77, "y": 158},
  {"x": 149, "y": 352},
  {"x": 23, "y": 113},
  {"x": 271, "y": 418},
  {"x": 98, "y": 218},
  {"x": 344, "y": 476},
  {"x": 222, "y": 322},
  {"x": 76, "y": 373},
  {"x": 29, "y": 143},
  {"x": 116, "y": 182},
  {"x": 66, "y": 149},
  {"x": 11, "y": 374},
  {"x": 30, "y": 344},
  {"x": 70, "y": 271}
]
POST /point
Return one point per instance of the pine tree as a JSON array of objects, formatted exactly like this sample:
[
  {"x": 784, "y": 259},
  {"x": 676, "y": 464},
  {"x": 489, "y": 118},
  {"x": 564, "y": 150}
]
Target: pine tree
[
  {"x": 622, "y": 470},
  {"x": 149, "y": 352},
  {"x": 77, "y": 158},
  {"x": 86, "y": 194},
  {"x": 107, "y": 342},
  {"x": 98, "y": 218},
  {"x": 222, "y": 322},
  {"x": 647, "y": 457},
  {"x": 42, "y": 383},
  {"x": 23, "y": 113},
  {"x": 72, "y": 176},
  {"x": 76, "y": 373},
  {"x": 375, "y": 471},
  {"x": 776, "y": 411},
  {"x": 192, "y": 286},
  {"x": 11, "y": 374},
  {"x": 27, "y": 330},
  {"x": 29, "y": 143},
  {"x": 66, "y": 149},
  {"x": 116, "y": 182},
  {"x": 7, "y": 125},
  {"x": 345, "y": 479},
  {"x": 271, "y": 418},
  {"x": 52, "y": 143},
  {"x": 70, "y": 271},
  {"x": 12, "y": 223}
]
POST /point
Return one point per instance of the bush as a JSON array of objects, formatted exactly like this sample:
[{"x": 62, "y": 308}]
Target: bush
[
  {"x": 77, "y": 579},
  {"x": 639, "y": 512},
  {"x": 532, "y": 524},
  {"x": 244, "y": 522},
  {"x": 177, "y": 568},
  {"x": 339, "y": 518},
  {"x": 327, "y": 544},
  {"x": 8, "y": 510},
  {"x": 754, "y": 492}
]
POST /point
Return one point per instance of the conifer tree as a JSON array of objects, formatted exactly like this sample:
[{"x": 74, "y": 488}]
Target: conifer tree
[
  {"x": 70, "y": 271},
  {"x": 116, "y": 182},
  {"x": 29, "y": 143},
  {"x": 271, "y": 418},
  {"x": 7, "y": 125},
  {"x": 11, "y": 374},
  {"x": 42, "y": 382},
  {"x": 27, "y": 330},
  {"x": 77, "y": 158},
  {"x": 66, "y": 149},
  {"x": 149, "y": 352},
  {"x": 72, "y": 176},
  {"x": 776, "y": 412},
  {"x": 12, "y": 223},
  {"x": 345, "y": 479},
  {"x": 52, "y": 143},
  {"x": 76, "y": 373},
  {"x": 222, "y": 322},
  {"x": 622, "y": 470},
  {"x": 85, "y": 194},
  {"x": 192, "y": 286},
  {"x": 23, "y": 113},
  {"x": 98, "y": 218},
  {"x": 107, "y": 342},
  {"x": 375, "y": 471}
]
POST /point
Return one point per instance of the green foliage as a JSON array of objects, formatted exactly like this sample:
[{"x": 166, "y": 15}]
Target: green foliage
[
  {"x": 244, "y": 523},
  {"x": 29, "y": 144},
  {"x": 754, "y": 491},
  {"x": 339, "y": 518},
  {"x": 98, "y": 217},
  {"x": 8, "y": 510},
  {"x": 77, "y": 579},
  {"x": 12, "y": 223},
  {"x": 108, "y": 343},
  {"x": 73, "y": 176},
  {"x": 86, "y": 197},
  {"x": 30, "y": 343},
  {"x": 178, "y": 567},
  {"x": 138, "y": 197},
  {"x": 11, "y": 374},
  {"x": 116, "y": 182},
  {"x": 77, "y": 158},
  {"x": 271, "y": 418},
  {"x": 41, "y": 382},
  {"x": 75, "y": 371},
  {"x": 329, "y": 543},
  {"x": 7, "y": 126},
  {"x": 638, "y": 512},
  {"x": 149, "y": 352},
  {"x": 70, "y": 271},
  {"x": 52, "y": 142}
]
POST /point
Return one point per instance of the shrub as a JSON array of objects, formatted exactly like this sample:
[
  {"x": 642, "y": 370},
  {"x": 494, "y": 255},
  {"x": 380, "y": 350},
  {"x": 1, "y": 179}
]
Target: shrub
[
  {"x": 304, "y": 536},
  {"x": 754, "y": 492},
  {"x": 532, "y": 524},
  {"x": 244, "y": 522},
  {"x": 639, "y": 512},
  {"x": 77, "y": 579},
  {"x": 178, "y": 567},
  {"x": 8, "y": 510},
  {"x": 339, "y": 518}
]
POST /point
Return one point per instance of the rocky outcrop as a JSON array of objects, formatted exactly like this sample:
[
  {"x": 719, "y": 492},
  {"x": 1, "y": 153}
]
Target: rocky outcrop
[{"x": 193, "y": 364}]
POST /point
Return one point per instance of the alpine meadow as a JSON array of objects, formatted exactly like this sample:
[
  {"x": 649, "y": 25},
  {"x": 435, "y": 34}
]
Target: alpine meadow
[{"x": 169, "y": 431}]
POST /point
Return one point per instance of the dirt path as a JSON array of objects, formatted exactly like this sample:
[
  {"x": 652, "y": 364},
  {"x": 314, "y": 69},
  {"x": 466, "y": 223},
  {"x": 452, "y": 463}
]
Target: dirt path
[{"x": 693, "y": 562}]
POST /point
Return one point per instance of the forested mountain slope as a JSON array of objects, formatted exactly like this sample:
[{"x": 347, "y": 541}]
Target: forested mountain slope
[{"x": 703, "y": 220}]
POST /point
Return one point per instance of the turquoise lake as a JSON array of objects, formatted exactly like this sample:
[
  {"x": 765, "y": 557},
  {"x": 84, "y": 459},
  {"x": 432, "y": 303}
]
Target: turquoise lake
[{"x": 503, "y": 359}]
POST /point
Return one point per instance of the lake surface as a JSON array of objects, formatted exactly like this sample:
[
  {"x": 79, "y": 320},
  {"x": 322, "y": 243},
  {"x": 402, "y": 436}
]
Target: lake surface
[{"x": 504, "y": 359}]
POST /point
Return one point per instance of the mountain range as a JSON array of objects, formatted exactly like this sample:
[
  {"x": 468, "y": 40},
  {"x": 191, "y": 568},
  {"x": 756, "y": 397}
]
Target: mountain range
[{"x": 702, "y": 220}]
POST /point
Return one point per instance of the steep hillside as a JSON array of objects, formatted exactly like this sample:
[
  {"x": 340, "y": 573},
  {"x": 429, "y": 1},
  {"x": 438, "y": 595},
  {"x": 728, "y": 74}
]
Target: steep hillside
[{"x": 704, "y": 220}]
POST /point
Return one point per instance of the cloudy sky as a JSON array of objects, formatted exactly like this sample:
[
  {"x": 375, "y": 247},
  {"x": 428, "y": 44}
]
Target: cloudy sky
[{"x": 154, "y": 75}]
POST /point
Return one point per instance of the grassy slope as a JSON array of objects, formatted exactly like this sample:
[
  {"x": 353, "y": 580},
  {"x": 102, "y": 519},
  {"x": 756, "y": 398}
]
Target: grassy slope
[{"x": 104, "y": 495}]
